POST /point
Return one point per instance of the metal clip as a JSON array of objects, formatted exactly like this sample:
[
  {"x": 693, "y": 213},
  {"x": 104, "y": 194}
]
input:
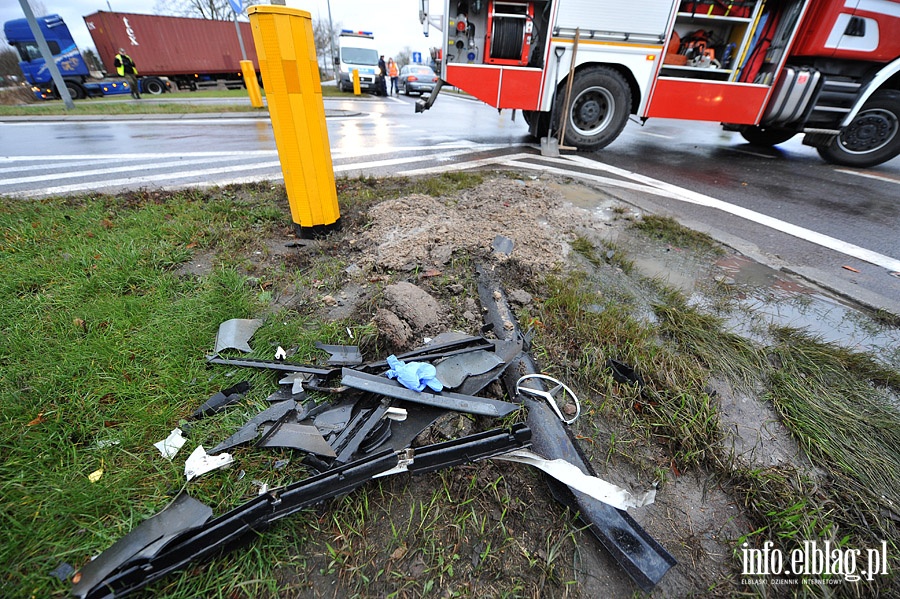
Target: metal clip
[{"x": 550, "y": 395}]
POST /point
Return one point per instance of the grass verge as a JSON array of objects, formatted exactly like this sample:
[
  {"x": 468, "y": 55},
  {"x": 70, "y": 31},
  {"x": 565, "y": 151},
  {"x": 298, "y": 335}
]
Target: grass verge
[
  {"x": 835, "y": 403},
  {"x": 106, "y": 329}
]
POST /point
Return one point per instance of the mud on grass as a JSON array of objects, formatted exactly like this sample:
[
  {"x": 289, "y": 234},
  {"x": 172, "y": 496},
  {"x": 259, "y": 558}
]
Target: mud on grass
[{"x": 128, "y": 292}]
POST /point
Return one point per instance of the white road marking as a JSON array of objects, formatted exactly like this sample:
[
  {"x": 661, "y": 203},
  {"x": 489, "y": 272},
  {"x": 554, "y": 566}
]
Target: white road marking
[
  {"x": 44, "y": 167},
  {"x": 132, "y": 181},
  {"x": 686, "y": 195},
  {"x": 642, "y": 132},
  {"x": 461, "y": 166},
  {"x": 876, "y": 176},
  {"x": 757, "y": 154},
  {"x": 108, "y": 171},
  {"x": 150, "y": 156}
]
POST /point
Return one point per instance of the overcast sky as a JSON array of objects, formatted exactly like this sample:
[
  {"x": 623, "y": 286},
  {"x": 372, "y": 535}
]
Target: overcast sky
[{"x": 395, "y": 23}]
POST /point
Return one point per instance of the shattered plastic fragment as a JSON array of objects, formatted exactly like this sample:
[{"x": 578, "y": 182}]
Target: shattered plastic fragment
[
  {"x": 236, "y": 334},
  {"x": 95, "y": 475},
  {"x": 169, "y": 446},
  {"x": 199, "y": 462},
  {"x": 63, "y": 571},
  {"x": 454, "y": 370},
  {"x": 295, "y": 380},
  {"x": 224, "y": 398}
]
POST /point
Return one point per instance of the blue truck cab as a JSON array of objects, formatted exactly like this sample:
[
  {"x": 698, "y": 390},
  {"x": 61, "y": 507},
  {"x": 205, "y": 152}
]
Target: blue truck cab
[{"x": 66, "y": 55}]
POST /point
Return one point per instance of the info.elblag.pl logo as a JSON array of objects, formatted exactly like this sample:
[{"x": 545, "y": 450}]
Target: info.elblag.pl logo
[{"x": 824, "y": 561}]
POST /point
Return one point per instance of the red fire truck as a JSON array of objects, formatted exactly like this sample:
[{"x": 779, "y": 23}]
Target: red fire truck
[{"x": 769, "y": 69}]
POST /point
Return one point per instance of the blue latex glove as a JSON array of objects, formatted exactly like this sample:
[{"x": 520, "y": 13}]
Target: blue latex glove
[{"x": 415, "y": 375}]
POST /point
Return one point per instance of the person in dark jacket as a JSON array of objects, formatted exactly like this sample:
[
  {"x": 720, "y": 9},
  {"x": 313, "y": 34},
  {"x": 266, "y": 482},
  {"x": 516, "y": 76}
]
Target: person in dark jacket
[
  {"x": 381, "y": 85},
  {"x": 125, "y": 67}
]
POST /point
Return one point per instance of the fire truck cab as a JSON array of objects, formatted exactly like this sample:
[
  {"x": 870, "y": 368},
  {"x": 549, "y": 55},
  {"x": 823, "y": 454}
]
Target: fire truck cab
[{"x": 770, "y": 69}]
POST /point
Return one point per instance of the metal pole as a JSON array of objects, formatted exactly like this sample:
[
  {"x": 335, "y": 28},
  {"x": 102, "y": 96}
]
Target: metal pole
[
  {"x": 240, "y": 38},
  {"x": 331, "y": 39},
  {"x": 48, "y": 56}
]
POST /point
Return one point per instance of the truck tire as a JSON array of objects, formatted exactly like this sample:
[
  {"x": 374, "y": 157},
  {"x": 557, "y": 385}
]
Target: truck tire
[
  {"x": 76, "y": 92},
  {"x": 766, "y": 136},
  {"x": 152, "y": 86},
  {"x": 872, "y": 137},
  {"x": 598, "y": 108}
]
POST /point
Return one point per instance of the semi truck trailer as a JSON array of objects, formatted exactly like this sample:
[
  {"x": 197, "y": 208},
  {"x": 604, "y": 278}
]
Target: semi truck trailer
[{"x": 168, "y": 51}]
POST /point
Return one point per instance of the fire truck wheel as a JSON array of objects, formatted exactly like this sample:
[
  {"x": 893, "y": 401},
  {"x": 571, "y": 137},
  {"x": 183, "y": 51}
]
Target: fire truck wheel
[
  {"x": 599, "y": 108},
  {"x": 766, "y": 136},
  {"x": 872, "y": 137}
]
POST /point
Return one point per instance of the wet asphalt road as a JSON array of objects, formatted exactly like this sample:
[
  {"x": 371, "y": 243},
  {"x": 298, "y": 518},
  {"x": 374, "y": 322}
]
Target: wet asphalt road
[{"x": 782, "y": 206}]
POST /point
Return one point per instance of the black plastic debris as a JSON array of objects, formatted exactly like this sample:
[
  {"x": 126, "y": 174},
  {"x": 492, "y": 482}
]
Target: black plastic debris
[
  {"x": 236, "y": 334},
  {"x": 450, "y": 401},
  {"x": 222, "y": 399},
  {"x": 644, "y": 559},
  {"x": 341, "y": 355},
  {"x": 144, "y": 542},
  {"x": 301, "y": 437},
  {"x": 63, "y": 571},
  {"x": 184, "y": 533},
  {"x": 250, "y": 431},
  {"x": 623, "y": 373},
  {"x": 454, "y": 370}
]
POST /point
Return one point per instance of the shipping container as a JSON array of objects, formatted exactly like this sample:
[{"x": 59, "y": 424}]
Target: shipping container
[{"x": 187, "y": 51}]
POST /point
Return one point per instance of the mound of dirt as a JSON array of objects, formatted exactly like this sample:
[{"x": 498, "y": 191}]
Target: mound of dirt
[{"x": 419, "y": 231}]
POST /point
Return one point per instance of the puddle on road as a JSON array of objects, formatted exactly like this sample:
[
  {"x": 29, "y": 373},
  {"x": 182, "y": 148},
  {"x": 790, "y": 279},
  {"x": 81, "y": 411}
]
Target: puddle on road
[{"x": 766, "y": 298}]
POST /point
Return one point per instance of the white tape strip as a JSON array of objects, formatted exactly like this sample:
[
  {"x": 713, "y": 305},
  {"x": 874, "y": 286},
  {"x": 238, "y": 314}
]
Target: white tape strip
[{"x": 571, "y": 476}]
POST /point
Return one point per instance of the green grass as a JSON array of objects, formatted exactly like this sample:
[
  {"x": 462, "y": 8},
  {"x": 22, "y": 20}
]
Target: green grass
[
  {"x": 105, "y": 339},
  {"x": 835, "y": 403}
]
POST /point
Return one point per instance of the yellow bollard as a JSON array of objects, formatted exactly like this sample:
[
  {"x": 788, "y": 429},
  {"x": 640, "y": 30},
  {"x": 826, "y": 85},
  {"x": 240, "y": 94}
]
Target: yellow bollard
[
  {"x": 251, "y": 83},
  {"x": 290, "y": 72},
  {"x": 356, "y": 89}
]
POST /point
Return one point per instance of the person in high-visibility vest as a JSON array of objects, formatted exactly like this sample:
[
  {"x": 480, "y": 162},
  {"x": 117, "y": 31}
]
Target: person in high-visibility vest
[
  {"x": 394, "y": 74},
  {"x": 125, "y": 68}
]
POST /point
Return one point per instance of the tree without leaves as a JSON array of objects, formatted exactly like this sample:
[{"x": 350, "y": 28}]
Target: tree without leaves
[
  {"x": 404, "y": 57},
  {"x": 216, "y": 10},
  {"x": 326, "y": 39},
  {"x": 9, "y": 62},
  {"x": 91, "y": 59}
]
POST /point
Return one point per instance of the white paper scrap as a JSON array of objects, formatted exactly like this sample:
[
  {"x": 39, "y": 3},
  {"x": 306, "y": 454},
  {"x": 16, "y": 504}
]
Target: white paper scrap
[
  {"x": 169, "y": 446},
  {"x": 571, "y": 476},
  {"x": 200, "y": 462}
]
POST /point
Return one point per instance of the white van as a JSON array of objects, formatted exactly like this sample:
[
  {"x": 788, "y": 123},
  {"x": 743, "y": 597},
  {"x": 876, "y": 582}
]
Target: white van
[{"x": 356, "y": 51}]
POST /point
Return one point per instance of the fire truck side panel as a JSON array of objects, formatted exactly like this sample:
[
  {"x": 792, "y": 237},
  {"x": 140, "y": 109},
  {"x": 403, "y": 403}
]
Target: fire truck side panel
[{"x": 708, "y": 101}]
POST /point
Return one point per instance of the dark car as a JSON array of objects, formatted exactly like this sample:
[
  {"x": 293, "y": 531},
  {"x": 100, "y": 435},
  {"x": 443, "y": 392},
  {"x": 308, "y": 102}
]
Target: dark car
[{"x": 417, "y": 78}]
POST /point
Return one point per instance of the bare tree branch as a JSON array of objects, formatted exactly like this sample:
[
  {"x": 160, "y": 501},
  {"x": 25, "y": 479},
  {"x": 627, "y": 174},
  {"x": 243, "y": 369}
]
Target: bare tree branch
[{"x": 217, "y": 10}]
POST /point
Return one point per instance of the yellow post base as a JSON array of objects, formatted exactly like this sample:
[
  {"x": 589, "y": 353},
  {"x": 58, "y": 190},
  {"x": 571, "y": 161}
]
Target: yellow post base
[
  {"x": 251, "y": 83},
  {"x": 356, "y": 87},
  {"x": 290, "y": 72}
]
